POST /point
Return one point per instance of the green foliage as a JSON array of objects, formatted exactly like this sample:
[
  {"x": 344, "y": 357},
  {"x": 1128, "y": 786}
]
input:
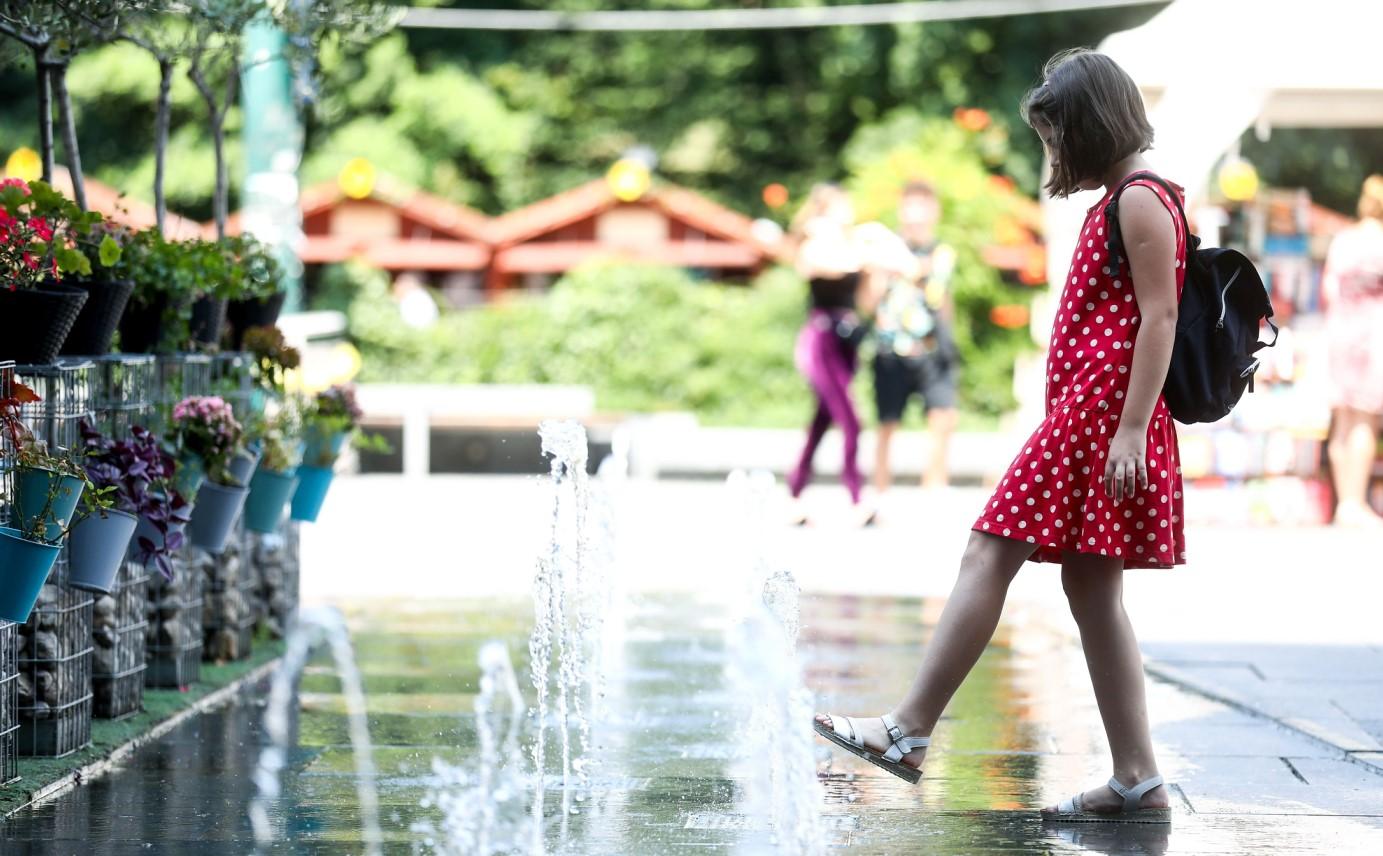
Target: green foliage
[{"x": 646, "y": 338}]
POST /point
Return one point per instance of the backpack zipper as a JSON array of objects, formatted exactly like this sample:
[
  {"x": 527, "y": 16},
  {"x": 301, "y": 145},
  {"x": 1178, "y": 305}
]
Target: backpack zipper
[{"x": 1224, "y": 307}]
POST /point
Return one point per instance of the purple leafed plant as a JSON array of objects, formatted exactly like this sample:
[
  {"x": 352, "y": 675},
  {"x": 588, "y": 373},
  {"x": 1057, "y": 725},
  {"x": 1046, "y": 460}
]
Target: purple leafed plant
[{"x": 136, "y": 475}]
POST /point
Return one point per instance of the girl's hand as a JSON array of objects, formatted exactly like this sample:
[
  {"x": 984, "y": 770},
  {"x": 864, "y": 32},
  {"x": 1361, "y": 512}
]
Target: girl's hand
[{"x": 1126, "y": 470}]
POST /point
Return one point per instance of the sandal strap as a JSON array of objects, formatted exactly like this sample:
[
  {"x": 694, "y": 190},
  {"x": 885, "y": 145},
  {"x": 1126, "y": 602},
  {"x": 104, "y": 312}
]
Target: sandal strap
[
  {"x": 1133, "y": 797},
  {"x": 901, "y": 743},
  {"x": 848, "y": 732}
]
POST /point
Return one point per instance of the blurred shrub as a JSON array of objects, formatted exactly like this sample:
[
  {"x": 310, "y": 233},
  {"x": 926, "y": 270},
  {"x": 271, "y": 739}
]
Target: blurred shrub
[{"x": 646, "y": 338}]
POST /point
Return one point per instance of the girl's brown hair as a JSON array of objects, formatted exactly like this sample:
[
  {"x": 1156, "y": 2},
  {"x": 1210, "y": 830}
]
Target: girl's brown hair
[{"x": 1096, "y": 115}]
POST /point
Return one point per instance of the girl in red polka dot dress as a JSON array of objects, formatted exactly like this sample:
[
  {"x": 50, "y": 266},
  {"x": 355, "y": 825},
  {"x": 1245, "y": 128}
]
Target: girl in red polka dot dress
[{"x": 1097, "y": 487}]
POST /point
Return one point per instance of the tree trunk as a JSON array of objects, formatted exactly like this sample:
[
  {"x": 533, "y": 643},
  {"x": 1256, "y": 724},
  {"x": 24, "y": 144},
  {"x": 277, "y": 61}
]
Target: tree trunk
[
  {"x": 45, "y": 112},
  {"x": 219, "y": 202},
  {"x": 58, "y": 74},
  {"x": 161, "y": 117}
]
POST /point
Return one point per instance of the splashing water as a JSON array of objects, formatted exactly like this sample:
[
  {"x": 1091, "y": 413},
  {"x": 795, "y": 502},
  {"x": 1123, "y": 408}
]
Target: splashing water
[
  {"x": 776, "y": 743},
  {"x": 570, "y": 592},
  {"x": 312, "y": 627},
  {"x": 485, "y": 812}
]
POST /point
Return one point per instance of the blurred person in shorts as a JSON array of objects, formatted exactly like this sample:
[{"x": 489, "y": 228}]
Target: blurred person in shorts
[{"x": 915, "y": 352}]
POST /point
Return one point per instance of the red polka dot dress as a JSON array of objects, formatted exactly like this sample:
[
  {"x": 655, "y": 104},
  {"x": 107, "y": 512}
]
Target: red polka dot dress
[{"x": 1052, "y": 494}]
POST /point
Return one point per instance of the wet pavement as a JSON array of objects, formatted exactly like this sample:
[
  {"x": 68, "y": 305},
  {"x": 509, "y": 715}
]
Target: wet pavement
[{"x": 670, "y": 778}]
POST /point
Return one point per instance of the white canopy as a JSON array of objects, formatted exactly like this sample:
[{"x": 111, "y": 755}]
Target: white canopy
[{"x": 1211, "y": 69}]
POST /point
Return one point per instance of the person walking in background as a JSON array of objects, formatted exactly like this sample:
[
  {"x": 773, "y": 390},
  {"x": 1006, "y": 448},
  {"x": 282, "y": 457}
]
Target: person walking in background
[
  {"x": 915, "y": 353},
  {"x": 1353, "y": 289},
  {"x": 1097, "y": 487},
  {"x": 828, "y": 344}
]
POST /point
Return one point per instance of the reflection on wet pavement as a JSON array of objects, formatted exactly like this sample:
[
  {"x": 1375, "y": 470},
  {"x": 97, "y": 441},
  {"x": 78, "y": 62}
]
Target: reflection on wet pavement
[{"x": 1022, "y": 731}]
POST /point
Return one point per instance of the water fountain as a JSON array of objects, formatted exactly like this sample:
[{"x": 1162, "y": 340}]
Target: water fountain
[
  {"x": 314, "y": 626},
  {"x": 485, "y": 812},
  {"x": 776, "y": 746}
]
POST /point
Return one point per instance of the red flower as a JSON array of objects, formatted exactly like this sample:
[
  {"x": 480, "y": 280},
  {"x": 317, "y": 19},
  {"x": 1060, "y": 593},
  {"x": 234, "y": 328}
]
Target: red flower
[
  {"x": 15, "y": 182},
  {"x": 42, "y": 228},
  {"x": 30, "y": 261}
]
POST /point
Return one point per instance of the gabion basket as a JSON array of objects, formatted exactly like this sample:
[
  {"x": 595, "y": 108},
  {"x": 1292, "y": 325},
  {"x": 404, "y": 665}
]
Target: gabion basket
[
  {"x": 180, "y": 375},
  {"x": 126, "y": 389},
  {"x": 9, "y": 632},
  {"x": 119, "y": 629},
  {"x": 54, "y": 685},
  {"x": 230, "y": 379},
  {"x": 275, "y": 558},
  {"x": 226, "y": 612},
  {"x": 175, "y": 625}
]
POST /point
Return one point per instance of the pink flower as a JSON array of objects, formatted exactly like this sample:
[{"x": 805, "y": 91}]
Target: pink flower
[
  {"x": 30, "y": 262},
  {"x": 42, "y": 228},
  {"x": 15, "y": 182}
]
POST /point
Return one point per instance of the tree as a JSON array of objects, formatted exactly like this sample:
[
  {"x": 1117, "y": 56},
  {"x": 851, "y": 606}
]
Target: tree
[{"x": 53, "y": 31}]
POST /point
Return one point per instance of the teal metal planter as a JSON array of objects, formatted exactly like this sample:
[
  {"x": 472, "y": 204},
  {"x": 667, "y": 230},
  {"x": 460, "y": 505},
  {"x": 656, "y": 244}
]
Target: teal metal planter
[
  {"x": 213, "y": 517},
  {"x": 269, "y": 495},
  {"x": 322, "y": 449},
  {"x": 96, "y": 549},
  {"x": 313, "y": 485},
  {"x": 242, "y": 466},
  {"x": 24, "y": 568},
  {"x": 32, "y": 487}
]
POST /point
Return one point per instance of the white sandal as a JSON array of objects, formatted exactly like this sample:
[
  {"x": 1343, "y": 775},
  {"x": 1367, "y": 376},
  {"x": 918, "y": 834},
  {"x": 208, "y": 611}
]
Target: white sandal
[
  {"x": 1071, "y": 811},
  {"x": 848, "y": 738}
]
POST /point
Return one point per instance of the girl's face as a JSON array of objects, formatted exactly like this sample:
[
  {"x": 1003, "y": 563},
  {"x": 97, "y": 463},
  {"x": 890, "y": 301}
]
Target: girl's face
[{"x": 1047, "y": 134}]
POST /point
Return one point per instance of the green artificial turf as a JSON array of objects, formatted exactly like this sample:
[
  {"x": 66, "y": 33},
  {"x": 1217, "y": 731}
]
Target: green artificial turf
[{"x": 107, "y": 736}]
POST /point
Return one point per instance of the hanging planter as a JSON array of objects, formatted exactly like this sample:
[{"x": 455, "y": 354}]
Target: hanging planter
[
  {"x": 313, "y": 485},
  {"x": 96, "y": 548},
  {"x": 242, "y": 466},
  {"x": 269, "y": 495},
  {"x": 323, "y": 446},
  {"x": 253, "y": 312},
  {"x": 99, "y": 318},
  {"x": 44, "y": 497},
  {"x": 213, "y": 517},
  {"x": 208, "y": 317},
  {"x": 141, "y": 327},
  {"x": 24, "y": 568},
  {"x": 34, "y": 322}
]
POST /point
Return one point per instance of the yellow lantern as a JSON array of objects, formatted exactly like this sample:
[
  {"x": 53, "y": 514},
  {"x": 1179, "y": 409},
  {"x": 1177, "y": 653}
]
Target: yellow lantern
[
  {"x": 1238, "y": 180},
  {"x": 24, "y": 163},
  {"x": 628, "y": 179},
  {"x": 357, "y": 178}
]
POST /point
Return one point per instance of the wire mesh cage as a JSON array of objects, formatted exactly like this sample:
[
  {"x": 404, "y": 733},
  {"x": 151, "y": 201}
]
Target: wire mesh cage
[
  {"x": 231, "y": 379},
  {"x": 227, "y": 614},
  {"x": 126, "y": 390},
  {"x": 9, "y": 632},
  {"x": 174, "y": 609},
  {"x": 119, "y": 629},
  {"x": 275, "y": 559},
  {"x": 54, "y": 685},
  {"x": 179, "y": 376}
]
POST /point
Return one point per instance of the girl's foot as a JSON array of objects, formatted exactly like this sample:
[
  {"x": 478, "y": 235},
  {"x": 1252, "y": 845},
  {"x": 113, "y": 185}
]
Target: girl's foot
[
  {"x": 1356, "y": 515},
  {"x": 872, "y": 733},
  {"x": 1103, "y": 800}
]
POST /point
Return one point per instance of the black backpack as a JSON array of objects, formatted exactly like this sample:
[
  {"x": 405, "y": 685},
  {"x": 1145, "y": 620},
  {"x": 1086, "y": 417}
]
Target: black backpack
[{"x": 1223, "y": 302}]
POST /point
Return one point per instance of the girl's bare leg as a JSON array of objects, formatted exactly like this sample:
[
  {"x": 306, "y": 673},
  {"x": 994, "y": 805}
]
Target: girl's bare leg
[
  {"x": 1094, "y": 587},
  {"x": 967, "y": 623}
]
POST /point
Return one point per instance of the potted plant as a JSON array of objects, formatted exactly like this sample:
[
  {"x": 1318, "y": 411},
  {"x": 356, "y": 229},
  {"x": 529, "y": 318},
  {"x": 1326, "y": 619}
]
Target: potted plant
[
  {"x": 273, "y": 359},
  {"x": 276, "y": 478},
  {"x": 39, "y": 233},
  {"x": 330, "y": 421},
  {"x": 30, "y": 546},
  {"x": 220, "y": 278},
  {"x": 130, "y": 488},
  {"x": 164, "y": 274},
  {"x": 206, "y": 427},
  {"x": 107, "y": 292},
  {"x": 262, "y": 296}
]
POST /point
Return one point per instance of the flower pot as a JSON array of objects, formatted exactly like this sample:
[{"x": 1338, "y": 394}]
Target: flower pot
[
  {"x": 24, "y": 567},
  {"x": 256, "y": 312},
  {"x": 96, "y": 548},
  {"x": 32, "y": 486},
  {"x": 213, "y": 517},
  {"x": 313, "y": 484},
  {"x": 270, "y": 492},
  {"x": 189, "y": 477},
  {"x": 242, "y": 466},
  {"x": 141, "y": 327},
  {"x": 322, "y": 448},
  {"x": 208, "y": 317},
  {"x": 100, "y": 317},
  {"x": 34, "y": 323}
]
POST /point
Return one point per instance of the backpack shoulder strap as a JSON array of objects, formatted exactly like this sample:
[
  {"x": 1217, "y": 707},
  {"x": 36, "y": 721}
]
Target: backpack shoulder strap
[{"x": 1111, "y": 208}]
